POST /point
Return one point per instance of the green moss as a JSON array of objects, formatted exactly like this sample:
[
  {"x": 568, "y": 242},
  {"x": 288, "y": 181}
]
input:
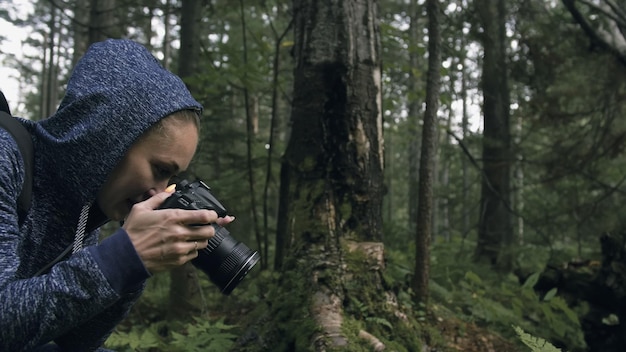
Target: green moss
[
  {"x": 346, "y": 210},
  {"x": 367, "y": 308},
  {"x": 351, "y": 328}
]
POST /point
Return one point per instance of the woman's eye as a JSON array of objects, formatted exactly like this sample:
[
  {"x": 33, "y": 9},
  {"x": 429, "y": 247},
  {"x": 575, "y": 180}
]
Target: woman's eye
[{"x": 161, "y": 172}]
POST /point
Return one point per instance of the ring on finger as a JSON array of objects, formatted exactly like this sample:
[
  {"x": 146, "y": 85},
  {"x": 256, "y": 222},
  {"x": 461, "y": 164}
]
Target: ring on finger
[{"x": 195, "y": 245}]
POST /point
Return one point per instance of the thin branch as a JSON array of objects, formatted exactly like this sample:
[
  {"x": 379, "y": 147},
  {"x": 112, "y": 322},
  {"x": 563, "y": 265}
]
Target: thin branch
[{"x": 592, "y": 33}]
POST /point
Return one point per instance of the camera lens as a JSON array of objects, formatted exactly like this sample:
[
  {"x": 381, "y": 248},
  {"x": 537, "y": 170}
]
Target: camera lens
[{"x": 225, "y": 260}]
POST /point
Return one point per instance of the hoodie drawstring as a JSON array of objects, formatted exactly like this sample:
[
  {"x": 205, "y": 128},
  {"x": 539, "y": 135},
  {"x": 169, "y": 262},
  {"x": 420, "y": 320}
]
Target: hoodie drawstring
[
  {"x": 80, "y": 229},
  {"x": 78, "y": 240}
]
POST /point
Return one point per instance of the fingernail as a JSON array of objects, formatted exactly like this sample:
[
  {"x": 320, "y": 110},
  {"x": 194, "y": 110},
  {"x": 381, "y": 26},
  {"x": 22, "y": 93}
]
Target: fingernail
[{"x": 171, "y": 188}]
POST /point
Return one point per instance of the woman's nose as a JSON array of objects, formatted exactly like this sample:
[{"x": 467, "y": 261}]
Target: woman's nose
[{"x": 158, "y": 188}]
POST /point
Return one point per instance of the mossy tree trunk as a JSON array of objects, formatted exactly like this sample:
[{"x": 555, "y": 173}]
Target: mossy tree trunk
[{"x": 330, "y": 294}]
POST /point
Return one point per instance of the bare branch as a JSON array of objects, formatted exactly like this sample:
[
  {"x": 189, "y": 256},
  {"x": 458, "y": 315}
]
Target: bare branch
[{"x": 611, "y": 39}]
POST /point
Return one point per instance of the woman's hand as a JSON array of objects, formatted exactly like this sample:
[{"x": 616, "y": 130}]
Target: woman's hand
[{"x": 164, "y": 238}]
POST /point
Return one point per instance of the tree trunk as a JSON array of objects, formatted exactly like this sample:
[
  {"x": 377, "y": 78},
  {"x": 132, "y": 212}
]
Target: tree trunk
[
  {"x": 273, "y": 139},
  {"x": 414, "y": 112},
  {"x": 282, "y": 225},
  {"x": 102, "y": 21},
  {"x": 518, "y": 180},
  {"x": 495, "y": 225},
  {"x": 167, "y": 37},
  {"x": 423, "y": 232},
  {"x": 251, "y": 111},
  {"x": 184, "y": 292},
  {"x": 147, "y": 26},
  {"x": 80, "y": 30},
  {"x": 444, "y": 230},
  {"x": 50, "y": 81},
  {"x": 465, "y": 196},
  {"x": 189, "y": 42},
  {"x": 331, "y": 275}
]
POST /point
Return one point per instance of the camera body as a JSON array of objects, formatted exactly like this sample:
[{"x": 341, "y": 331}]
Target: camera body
[{"x": 225, "y": 260}]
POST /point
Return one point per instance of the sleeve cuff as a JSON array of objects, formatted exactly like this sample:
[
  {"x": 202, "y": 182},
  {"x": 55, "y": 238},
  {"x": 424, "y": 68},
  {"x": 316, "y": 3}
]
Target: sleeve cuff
[{"x": 120, "y": 263}]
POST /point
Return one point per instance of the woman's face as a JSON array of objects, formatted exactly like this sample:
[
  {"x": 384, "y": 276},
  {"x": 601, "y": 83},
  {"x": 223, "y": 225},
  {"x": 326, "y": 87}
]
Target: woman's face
[{"x": 147, "y": 167}]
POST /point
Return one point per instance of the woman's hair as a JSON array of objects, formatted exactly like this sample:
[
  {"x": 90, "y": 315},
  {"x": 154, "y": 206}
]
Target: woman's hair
[{"x": 181, "y": 116}]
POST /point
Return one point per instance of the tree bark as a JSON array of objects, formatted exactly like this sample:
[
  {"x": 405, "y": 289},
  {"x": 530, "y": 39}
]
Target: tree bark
[
  {"x": 167, "y": 36},
  {"x": 251, "y": 111},
  {"x": 189, "y": 43},
  {"x": 423, "y": 232},
  {"x": 102, "y": 21},
  {"x": 274, "y": 123},
  {"x": 415, "y": 111},
  {"x": 184, "y": 292},
  {"x": 495, "y": 231},
  {"x": 81, "y": 32}
]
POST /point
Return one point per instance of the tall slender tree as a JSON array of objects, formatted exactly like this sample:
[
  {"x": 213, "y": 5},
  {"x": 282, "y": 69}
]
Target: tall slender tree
[
  {"x": 250, "y": 108},
  {"x": 273, "y": 142},
  {"x": 424, "y": 227},
  {"x": 415, "y": 110},
  {"x": 185, "y": 294},
  {"x": 102, "y": 21},
  {"x": 49, "y": 88},
  {"x": 80, "y": 29}
]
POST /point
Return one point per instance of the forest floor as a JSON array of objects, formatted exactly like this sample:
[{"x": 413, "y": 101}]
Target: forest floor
[
  {"x": 463, "y": 336},
  {"x": 467, "y": 337}
]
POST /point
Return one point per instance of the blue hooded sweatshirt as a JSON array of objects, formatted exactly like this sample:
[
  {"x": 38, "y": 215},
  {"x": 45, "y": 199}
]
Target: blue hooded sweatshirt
[{"x": 117, "y": 91}]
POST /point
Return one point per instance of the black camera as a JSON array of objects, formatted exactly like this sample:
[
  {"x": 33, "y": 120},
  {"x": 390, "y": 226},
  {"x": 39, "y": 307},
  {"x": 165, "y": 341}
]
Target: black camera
[{"x": 225, "y": 260}]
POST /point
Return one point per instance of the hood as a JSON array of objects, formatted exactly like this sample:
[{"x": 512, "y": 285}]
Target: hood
[{"x": 115, "y": 93}]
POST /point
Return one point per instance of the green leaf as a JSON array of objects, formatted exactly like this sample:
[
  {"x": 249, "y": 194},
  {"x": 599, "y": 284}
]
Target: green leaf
[
  {"x": 536, "y": 344},
  {"x": 559, "y": 302},
  {"x": 471, "y": 276},
  {"x": 531, "y": 281},
  {"x": 550, "y": 294}
]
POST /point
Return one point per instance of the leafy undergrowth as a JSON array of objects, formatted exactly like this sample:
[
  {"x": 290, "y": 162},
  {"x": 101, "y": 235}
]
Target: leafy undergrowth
[
  {"x": 148, "y": 329},
  {"x": 479, "y": 310},
  {"x": 471, "y": 309}
]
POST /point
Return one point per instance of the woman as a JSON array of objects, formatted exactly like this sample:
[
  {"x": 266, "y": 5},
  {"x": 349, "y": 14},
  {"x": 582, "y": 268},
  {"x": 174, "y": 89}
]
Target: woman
[{"x": 124, "y": 127}]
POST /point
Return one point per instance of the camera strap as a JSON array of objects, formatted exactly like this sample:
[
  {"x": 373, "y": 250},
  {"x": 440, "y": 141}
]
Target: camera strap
[{"x": 25, "y": 144}]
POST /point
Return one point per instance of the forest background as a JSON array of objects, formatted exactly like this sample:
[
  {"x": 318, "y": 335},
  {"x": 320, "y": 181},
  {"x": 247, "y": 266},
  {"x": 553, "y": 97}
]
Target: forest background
[{"x": 416, "y": 175}]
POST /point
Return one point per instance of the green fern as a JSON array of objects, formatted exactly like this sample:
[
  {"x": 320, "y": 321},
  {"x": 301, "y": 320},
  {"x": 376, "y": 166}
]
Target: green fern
[
  {"x": 536, "y": 344},
  {"x": 204, "y": 336},
  {"x": 379, "y": 321},
  {"x": 360, "y": 309},
  {"x": 199, "y": 335},
  {"x": 138, "y": 338}
]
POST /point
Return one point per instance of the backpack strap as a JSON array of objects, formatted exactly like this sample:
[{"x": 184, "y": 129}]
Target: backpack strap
[
  {"x": 4, "y": 105},
  {"x": 25, "y": 144}
]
